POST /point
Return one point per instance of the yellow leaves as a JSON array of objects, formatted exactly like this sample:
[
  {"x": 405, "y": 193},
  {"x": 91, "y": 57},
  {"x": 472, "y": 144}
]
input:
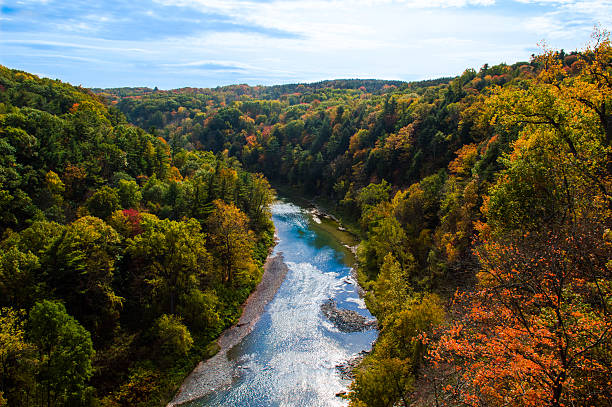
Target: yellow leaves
[
  {"x": 23, "y": 76},
  {"x": 466, "y": 158},
  {"x": 247, "y": 120},
  {"x": 54, "y": 183},
  {"x": 232, "y": 241},
  {"x": 175, "y": 175},
  {"x": 12, "y": 333}
]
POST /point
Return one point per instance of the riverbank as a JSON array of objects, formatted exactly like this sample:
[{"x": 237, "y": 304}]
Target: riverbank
[{"x": 219, "y": 371}]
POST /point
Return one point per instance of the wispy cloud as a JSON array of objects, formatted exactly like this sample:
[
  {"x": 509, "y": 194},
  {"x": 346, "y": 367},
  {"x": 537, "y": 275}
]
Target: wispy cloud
[{"x": 172, "y": 43}]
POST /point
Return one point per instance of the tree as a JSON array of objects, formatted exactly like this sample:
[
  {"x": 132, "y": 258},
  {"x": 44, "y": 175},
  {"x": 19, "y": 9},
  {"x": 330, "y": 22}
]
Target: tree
[
  {"x": 560, "y": 161},
  {"x": 172, "y": 256},
  {"x": 16, "y": 375},
  {"x": 391, "y": 288},
  {"x": 65, "y": 353},
  {"x": 81, "y": 265},
  {"x": 174, "y": 337},
  {"x": 129, "y": 194},
  {"x": 259, "y": 196},
  {"x": 373, "y": 194},
  {"x": 536, "y": 331},
  {"x": 104, "y": 202},
  {"x": 18, "y": 277},
  {"x": 387, "y": 236},
  {"x": 382, "y": 383},
  {"x": 199, "y": 309},
  {"x": 232, "y": 241},
  {"x": 387, "y": 375}
]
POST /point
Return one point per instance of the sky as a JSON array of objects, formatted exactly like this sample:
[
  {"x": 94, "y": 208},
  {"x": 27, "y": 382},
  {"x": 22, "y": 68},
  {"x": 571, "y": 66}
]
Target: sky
[{"x": 208, "y": 43}]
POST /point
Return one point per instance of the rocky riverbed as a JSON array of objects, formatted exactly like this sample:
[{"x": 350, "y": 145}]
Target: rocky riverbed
[{"x": 346, "y": 320}]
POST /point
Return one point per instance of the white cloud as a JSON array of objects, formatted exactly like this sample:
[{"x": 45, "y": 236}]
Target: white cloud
[{"x": 403, "y": 39}]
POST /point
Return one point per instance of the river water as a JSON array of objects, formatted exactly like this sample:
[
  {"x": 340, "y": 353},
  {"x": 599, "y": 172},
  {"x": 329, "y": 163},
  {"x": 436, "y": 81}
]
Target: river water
[{"x": 290, "y": 356}]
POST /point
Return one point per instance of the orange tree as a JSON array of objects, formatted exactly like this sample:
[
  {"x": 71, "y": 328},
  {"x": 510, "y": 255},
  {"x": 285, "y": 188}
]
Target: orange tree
[{"x": 537, "y": 329}]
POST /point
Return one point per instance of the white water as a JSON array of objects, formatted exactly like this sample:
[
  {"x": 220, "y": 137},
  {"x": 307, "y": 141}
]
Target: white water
[{"x": 289, "y": 359}]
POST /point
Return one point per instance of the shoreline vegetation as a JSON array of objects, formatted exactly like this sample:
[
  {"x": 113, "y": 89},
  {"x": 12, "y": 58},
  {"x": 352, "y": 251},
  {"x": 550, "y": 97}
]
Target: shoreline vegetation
[{"x": 218, "y": 371}]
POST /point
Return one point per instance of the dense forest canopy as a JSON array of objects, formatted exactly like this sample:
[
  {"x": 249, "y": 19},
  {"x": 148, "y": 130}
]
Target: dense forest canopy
[
  {"x": 115, "y": 273},
  {"x": 484, "y": 206}
]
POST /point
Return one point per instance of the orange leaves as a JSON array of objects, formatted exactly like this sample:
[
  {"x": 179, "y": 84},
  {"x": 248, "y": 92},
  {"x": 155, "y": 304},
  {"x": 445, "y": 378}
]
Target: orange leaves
[
  {"x": 532, "y": 334},
  {"x": 251, "y": 140},
  {"x": 466, "y": 157}
]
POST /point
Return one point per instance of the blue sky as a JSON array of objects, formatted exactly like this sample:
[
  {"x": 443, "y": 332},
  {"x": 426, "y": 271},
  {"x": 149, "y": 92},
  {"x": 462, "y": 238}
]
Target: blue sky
[{"x": 206, "y": 43}]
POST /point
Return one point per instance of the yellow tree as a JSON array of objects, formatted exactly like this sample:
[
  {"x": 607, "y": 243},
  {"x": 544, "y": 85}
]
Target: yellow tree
[
  {"x": 561, "y": 162},
  {"x": 231, "y": 239},
  {"x": 14, "y": 353}
]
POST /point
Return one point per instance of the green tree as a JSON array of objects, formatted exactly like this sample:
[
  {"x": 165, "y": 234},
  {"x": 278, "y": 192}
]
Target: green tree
[
  {"x": 373, "y": 194},
  {"x": 81, "y": 266},
  {"x": 129, "y": 194},
  {"x": 104, "y": 202},
  {"x": 391, "y": 289},
  {"x": 65, "y": 354},
  {"x": 173, "y": 335},
  {"x": 382, "y": 383},
  {"x": 19, "y": 284},
  {"x": 199, "y": 309},
  {"x": 172, "y": 256}
]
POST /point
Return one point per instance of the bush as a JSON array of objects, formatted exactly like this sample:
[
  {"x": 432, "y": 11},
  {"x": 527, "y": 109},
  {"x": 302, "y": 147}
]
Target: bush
[{"x": 173, "y": 335}]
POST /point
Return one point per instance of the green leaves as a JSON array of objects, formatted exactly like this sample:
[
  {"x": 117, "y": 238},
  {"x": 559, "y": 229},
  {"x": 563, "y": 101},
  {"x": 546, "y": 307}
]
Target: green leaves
[
  {"x": 174, "y": 337},
  {"x": 172, "y": 256},
  {"x": 103, "y": 202},
  {"x": 66, "y": 352}
]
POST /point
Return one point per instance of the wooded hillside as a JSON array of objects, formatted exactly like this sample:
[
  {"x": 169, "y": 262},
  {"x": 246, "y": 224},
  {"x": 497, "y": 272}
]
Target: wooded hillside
[
  {"x": 121, "y": 259},
  {"x": 484, "y": 206}
]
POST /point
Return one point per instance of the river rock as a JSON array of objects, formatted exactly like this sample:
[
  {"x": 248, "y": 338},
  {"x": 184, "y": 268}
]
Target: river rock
[
  {"x": 346, "y": 369},
  {"x": 346, "y": 320}
]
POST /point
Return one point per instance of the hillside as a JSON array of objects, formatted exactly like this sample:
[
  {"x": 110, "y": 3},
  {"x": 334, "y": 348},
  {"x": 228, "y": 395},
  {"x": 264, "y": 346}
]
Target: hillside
[
  {"x": 121, "y": 260},
  {"x": 484, "y": 206}
]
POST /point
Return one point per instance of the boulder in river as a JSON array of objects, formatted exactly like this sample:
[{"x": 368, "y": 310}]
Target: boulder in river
[{"x": 346, "y": 320}]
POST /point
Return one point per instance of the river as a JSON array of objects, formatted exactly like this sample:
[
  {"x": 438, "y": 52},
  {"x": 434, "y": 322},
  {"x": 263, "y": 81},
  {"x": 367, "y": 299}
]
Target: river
[{"x": 290, "y": 357}]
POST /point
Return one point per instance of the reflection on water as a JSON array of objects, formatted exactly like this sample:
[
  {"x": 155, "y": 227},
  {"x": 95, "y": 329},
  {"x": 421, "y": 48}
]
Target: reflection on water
[{"x": 289, "y": 359}]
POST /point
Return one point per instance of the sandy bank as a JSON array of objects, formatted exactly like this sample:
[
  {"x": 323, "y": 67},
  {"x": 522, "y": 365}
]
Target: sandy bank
[{"x": 218, "y": 371}]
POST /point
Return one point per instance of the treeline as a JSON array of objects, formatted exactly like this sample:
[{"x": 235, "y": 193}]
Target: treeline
[
  {"x": 232, "y": 93},
  {"x": 484, "y": 203},
  {"x": 120, "y": 258}
]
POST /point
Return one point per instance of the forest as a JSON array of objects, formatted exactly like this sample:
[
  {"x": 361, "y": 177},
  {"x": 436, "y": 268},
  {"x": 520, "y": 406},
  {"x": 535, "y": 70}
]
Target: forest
[
  {"x": 483, "y": 203},
  {"x": 121, "y": 260}
]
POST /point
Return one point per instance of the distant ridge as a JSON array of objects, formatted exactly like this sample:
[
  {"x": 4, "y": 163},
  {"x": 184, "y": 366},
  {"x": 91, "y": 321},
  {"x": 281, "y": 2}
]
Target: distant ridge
[{"x": 374, "y": 86}]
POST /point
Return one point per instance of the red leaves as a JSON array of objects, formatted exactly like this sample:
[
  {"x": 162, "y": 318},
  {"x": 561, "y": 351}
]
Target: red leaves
[{"x": 133, "y": 221}]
